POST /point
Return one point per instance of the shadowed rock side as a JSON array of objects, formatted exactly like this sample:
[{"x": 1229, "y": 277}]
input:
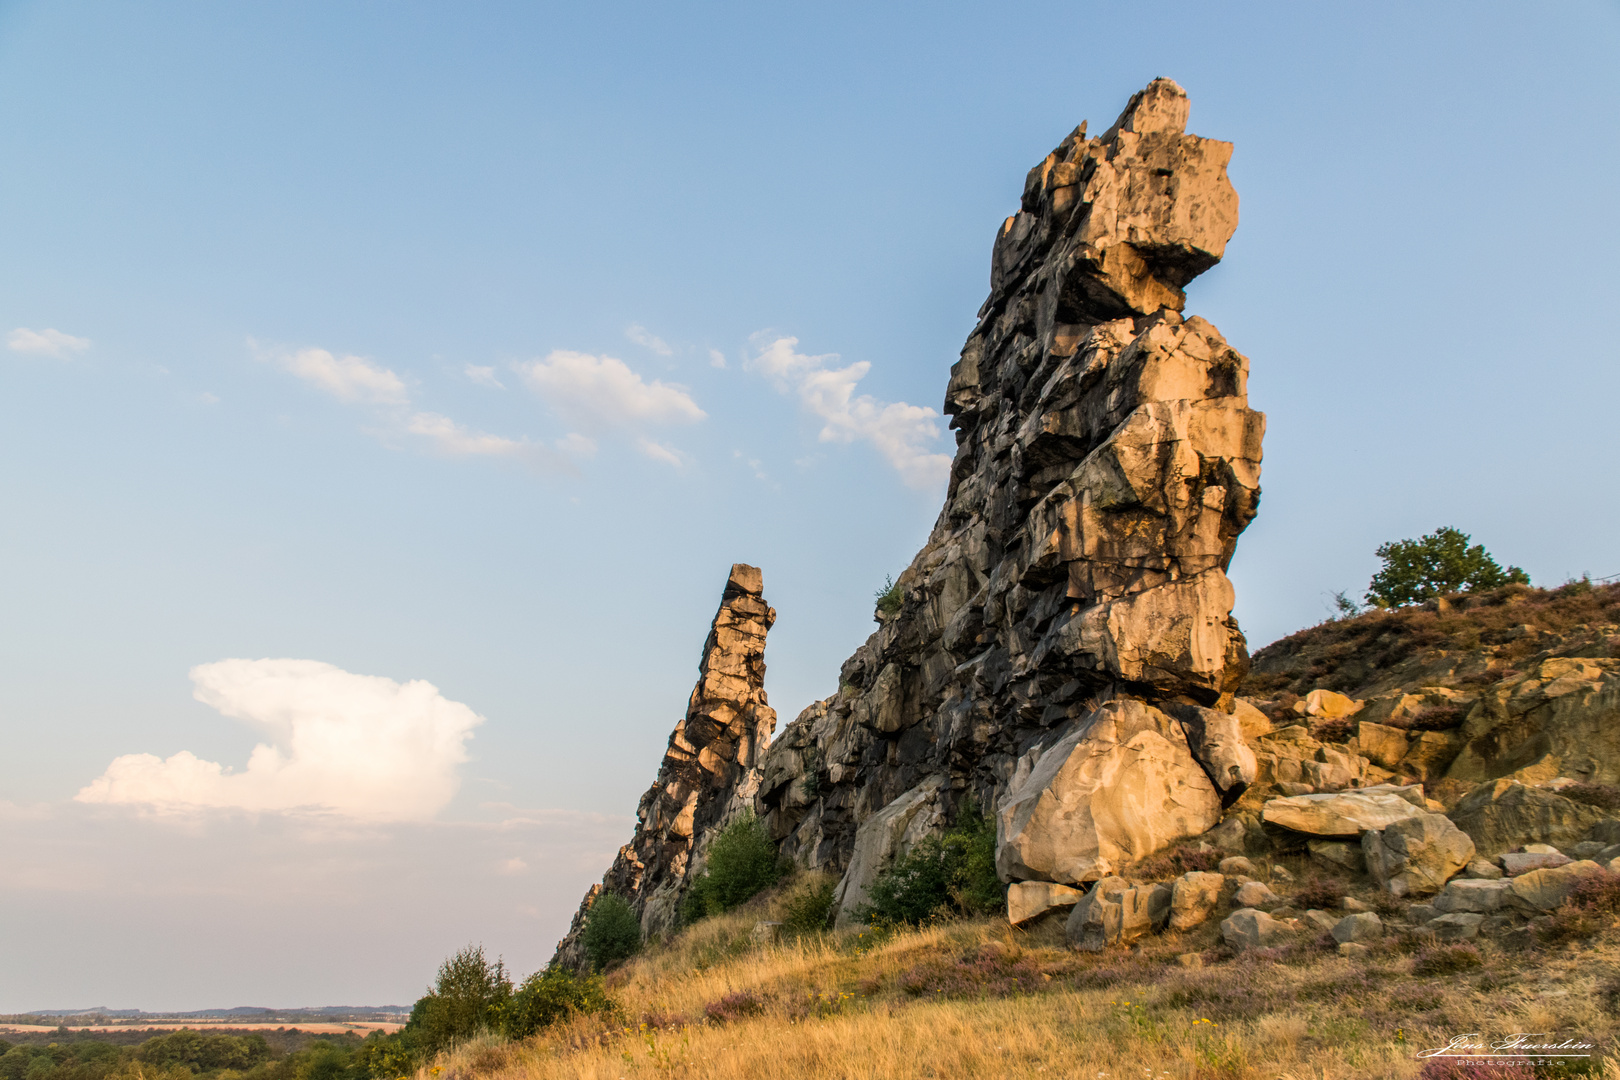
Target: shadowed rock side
[
  {"x": 1065, "y": 653},
  {"x": 709, "y": 773}
]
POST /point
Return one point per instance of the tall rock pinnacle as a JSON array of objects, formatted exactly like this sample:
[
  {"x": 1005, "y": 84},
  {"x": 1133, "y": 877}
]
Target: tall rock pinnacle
[
  {"x": 709, "y": 773},
  {"x": 1065, "y": 653}
]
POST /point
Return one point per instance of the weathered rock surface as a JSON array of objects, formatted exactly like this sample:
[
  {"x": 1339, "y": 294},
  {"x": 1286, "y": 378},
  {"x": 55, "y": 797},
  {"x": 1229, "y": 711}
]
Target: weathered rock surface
[
  {"x": 1562, "y": 719},
  {"x": 1342, "y": 854},
  {"x": 1505, "y": 814},
  {"x": 1255, "y": 894},
  {"x": 1544, "y": 890},
  {"x": 882, "y": 839},
  {"x": 1515, "y": 863},
  {"x": 1193, "y": 897},
  {"x": 1247, "y": 928},
  {"x": 1119, "y": 787},
  {"x": 1345, "y": 813},
  {"x": 1471, "y": 894},
  {"x": 1064, "y": 652},
  {"x": 710, "y": 772},
  {"x": 1115, "y": 912},
  {"x": 1457, "y": 926},
  {"x": 1417, "y": 856},
  {"x": 1029, "y": 900}
]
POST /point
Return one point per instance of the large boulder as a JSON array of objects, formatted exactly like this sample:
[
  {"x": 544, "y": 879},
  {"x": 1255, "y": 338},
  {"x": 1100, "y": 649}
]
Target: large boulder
[
  {"x": 1029, "y": 900},
  {"x": 1193, "y": 897},
  {"x": 1247, "y": 928},
  {"x": 1504, "y": 815},
  {"x": 1363, "y": 928},
  {"x": 1417, "y": 856},
  {"x": 1115, "y": 912},
  {"x": 1343, "y": 813},
  {"x": 1217, "y": 742},
  {"x": 1118, "y": 787}
]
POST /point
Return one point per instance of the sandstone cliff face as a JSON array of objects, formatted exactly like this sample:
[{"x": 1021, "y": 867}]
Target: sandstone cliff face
[
  {"x": 709, "y": 773},
  {"x": 1072, "y": 598}
]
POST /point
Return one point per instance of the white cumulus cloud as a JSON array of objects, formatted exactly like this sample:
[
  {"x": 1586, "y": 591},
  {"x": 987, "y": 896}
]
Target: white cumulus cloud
[
  {"x": 602, "y": 391},
  {"x": 347, "y": 378},
  {"x": 46, "y": 342},
  {"x": 904, "y": 434},
  {"x": 647, "y": 340},
  {"x": 361, "y": 746}
]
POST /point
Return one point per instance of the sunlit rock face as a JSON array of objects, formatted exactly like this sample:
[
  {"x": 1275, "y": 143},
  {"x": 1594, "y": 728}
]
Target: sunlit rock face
[{"x": 1072, "y": 597}]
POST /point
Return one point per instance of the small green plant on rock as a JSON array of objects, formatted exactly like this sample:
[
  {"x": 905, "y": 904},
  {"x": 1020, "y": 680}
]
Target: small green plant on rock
[{"x": 890, "y": 597}]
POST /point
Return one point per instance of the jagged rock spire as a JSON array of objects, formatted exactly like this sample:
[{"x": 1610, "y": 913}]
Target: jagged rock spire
[{"x": 709, "y": 772}]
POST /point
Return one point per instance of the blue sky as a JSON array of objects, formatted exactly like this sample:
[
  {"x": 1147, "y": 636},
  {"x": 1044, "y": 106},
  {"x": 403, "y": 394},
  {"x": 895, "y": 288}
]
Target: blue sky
[{"x": 433, "y": 343}]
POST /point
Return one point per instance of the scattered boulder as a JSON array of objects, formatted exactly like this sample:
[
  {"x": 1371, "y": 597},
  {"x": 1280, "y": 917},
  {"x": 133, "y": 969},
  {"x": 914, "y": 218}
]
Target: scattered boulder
[
  {"x": 1544, "y": 890},
  {"x": 1115, "y": 912},
  {"x": 1417, "y": 856},
  {"x": 1191, "y": 960},
  {"x": 1247, "y": 928},
  {"x": 1029, "y": 900},
  {"x": 1253, "y": 894},
  {"x": 1327, "y": 704},
  {"x": 1251, "y": 721},
  {"x": 767, "y": 933},
  {"x": 1234, "y": 865},
  {"x": 1322, "y": 920},
  {"x": 1351, "y": 950},
  {"x": 1471, "y": 894},
  {"x": 1120, "y": 786},
  {"x": 1381, "y": 744},
  {"x": 1345, "y": 813},
  {"x": 1281, "y": 874},
  {"x": 1362, "y": 928},
  {"x": 1350, "y": 903},
  {"x": 1482, "y": 869},
  {"x": 1216, "y": 740},
  {"x": 1457, "y": 926},
  {"x": 1504, "y": 815},
  {"x": 1193, "y": 898},
  {"x": 1515, "y": 863}
]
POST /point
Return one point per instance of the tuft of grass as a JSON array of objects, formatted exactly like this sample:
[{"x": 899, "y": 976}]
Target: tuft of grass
[
  {"x": 1324, "y": 893},
  {"x": 1448, "y": 960}
]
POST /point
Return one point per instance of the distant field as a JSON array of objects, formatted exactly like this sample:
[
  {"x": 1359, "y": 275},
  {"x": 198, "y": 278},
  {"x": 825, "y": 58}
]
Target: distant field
[{"x": 224, "y": 1027}]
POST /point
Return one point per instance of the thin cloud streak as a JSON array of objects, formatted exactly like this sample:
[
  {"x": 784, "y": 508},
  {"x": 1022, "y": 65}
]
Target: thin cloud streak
[
  {"x": 47, "y": 342},
  {"x": 904, "y": 434}
]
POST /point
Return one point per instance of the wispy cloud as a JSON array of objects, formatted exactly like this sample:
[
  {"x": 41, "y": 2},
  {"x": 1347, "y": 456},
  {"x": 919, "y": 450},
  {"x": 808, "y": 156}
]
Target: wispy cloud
[
  {"x": 361, "y": 746},
  {"x": 596, "y": 392},
  {"x": 647, "y": 340},
  {"x": 449, "y": 437},
  {"x": 483, "y": 376},
  {"x": 717, "y": 358},
  {"x": 904, "y": 434},
  {"x": 347, "y": 378},
  {"x": 659, "y": 452},
  {"x": 47, "y": 342}
]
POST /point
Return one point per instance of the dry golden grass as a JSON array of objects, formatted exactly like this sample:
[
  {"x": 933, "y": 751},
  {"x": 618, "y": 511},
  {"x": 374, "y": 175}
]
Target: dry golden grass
[{"x": 981, "y": 999}]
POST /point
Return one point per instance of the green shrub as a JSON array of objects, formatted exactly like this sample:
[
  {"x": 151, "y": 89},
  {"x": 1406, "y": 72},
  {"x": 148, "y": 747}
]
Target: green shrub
[
  {"x": 1434, "y": 565},
  {"x": 890, "y": 597},
  {"x": 551, "y": 995},
  {"x": 948, "y": 874},
  {"x": 612, "y": 931},
  {"x": 809, "y": 909},
  {"x": 741, "y": 862},
  {"x": 204, "y": 1053},
  {"x": 466, "y": 998}
]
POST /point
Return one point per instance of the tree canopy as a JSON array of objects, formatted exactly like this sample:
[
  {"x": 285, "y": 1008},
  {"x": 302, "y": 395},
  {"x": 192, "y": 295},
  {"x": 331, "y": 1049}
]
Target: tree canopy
[{"x": 1434, "y": 565}]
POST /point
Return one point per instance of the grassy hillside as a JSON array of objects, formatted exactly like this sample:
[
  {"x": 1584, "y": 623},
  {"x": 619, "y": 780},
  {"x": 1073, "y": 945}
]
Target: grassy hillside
[{"x": 982, "y": 999}]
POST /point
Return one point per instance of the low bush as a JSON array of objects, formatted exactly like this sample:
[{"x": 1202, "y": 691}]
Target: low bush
[
  {"x": 1593, "y": 905},
  {"x": 466, "y": 998},
  {"x": 1321, "y": 893},
  {"x": 952, "y": 873},
  {"x": 742, "y": 862},
  {"x": 991, "y": 971},
  {"x": 1447, "y": 960},
  {"x": 734, "y": 1007},
  {"x": 612, "y": 931},
  {"x": 549, "y": 996},
  {"x": 809, "y": 909},
  {"x": 1430, "y": 718}
]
